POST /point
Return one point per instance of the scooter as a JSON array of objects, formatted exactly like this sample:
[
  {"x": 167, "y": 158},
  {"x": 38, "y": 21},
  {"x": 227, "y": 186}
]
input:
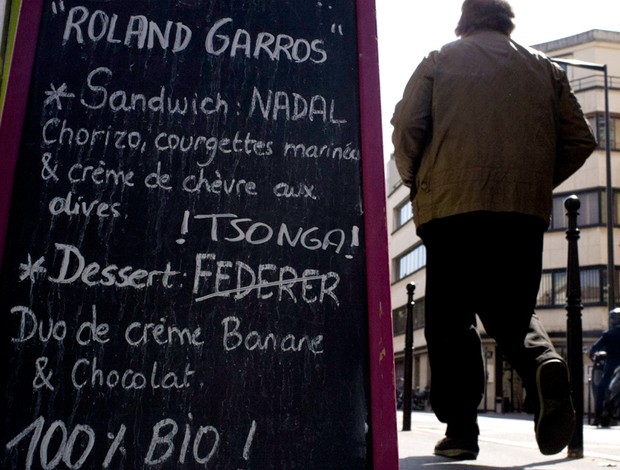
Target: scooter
[{"x": 612, "y": 403}]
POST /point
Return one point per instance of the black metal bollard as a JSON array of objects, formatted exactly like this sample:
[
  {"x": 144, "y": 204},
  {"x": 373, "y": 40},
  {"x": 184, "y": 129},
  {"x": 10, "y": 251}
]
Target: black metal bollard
[
  {"x": 574, "y": 339},
  {"x": 408, "y": 386}
]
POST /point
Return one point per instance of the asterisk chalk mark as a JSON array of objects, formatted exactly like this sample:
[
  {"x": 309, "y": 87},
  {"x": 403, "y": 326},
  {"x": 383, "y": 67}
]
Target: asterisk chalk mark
[
  {"x": 55, "y": 94},
  {"x": 30, "y": 270}
]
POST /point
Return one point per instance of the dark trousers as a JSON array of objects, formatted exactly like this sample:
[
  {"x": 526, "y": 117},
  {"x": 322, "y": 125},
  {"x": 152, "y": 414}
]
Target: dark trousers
[
  {"x": 601, "y": 413},
  {"x": 487, "y": 264}
]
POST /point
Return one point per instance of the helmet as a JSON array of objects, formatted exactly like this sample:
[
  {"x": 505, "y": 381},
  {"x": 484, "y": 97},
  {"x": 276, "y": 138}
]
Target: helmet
[{"x": 614, "y": 318}]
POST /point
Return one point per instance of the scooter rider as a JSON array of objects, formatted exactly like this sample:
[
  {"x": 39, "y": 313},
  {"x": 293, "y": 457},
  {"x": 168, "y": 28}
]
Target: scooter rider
[{"x": 609, "y": 342}]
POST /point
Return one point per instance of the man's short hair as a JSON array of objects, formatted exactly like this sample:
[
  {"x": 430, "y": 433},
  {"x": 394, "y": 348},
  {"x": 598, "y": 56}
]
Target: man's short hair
[{"x": 485, "y": 14}]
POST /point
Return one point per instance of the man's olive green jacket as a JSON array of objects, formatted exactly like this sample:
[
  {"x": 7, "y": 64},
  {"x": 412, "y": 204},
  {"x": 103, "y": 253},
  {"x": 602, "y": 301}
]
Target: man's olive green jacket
[{"x": 487, "y": 125}]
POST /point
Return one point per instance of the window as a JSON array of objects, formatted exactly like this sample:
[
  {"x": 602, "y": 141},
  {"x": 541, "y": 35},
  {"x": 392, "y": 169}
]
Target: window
[
  {"x": 399, "y": 321},
  {"x": 545, "y": 292},
  {"x": 589, "y": 210},
  {"x": 552, "y": 292},
  {"x": 404, "y": 213},
  {"x": 591, "y": 287},
  {"x": 592, "y": 211},
  {"x": 597, "y": 122},
  {"x": 399, "y": 318},
  {"x": 418, "y": 314},
  {"x": 604, "y": 284},
  {"x": 616, "y": 208},
  {"x": 410, "y": 262}
]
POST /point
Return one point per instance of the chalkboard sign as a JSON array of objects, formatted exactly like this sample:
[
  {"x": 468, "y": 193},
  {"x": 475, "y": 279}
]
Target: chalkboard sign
[{"x": 194, "y": 271}]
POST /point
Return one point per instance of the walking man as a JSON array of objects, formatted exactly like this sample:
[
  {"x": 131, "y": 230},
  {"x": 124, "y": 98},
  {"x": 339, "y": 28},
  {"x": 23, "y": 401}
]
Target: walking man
[{"x": 485, "y": 130}]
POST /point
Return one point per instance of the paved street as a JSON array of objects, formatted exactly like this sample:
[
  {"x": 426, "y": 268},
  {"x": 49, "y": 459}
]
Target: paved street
[{"x": 506, "y": 441}]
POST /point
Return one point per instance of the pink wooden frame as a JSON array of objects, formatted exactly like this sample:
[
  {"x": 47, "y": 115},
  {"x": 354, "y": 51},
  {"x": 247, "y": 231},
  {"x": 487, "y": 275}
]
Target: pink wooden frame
[
  {"x": 381, "y": 353},
  {"x": 16, "y": 98}
]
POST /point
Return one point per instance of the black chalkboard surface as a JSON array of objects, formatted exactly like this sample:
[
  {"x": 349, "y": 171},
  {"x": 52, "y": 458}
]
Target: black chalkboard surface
[{"x": 184, "y": 276}]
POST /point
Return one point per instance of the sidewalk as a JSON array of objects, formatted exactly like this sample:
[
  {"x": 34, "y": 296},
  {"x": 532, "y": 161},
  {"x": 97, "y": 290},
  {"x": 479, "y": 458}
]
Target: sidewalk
[{"x": 506, "y": 441}]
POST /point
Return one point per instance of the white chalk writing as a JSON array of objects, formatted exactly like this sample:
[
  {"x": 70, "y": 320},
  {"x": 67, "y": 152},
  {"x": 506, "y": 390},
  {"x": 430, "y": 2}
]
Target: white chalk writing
[
  {"x": 51, "y": 444},
  {"x": 293, "y": 107},
  {"x": 212, "y": 145},
  {"x": 227, "y": 278},
  {"x": 96, "y": 96},
  {"x": 73, "y": 268},
  {"x": 234, "y": 229},
  {"x": 255, "y": 341},
  {"x": 221, "y": 38}
]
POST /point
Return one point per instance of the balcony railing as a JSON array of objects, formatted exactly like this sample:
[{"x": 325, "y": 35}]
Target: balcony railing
[{"x": 594, "y": 81}]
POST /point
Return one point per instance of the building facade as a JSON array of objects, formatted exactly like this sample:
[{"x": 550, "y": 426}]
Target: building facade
[{"x": 504, "y": 391}]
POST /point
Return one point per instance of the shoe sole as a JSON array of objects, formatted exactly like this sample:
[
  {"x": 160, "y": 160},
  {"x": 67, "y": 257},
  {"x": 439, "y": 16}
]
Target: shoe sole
[
  {"x": 556, "y": 418},
  {"x": 457, "y": 454}
]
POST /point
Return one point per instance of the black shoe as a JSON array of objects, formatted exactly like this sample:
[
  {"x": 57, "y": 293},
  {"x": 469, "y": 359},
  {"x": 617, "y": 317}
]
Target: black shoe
[
  {"x": 458, "y": 449},
  {"x": 555, "y": 420}
]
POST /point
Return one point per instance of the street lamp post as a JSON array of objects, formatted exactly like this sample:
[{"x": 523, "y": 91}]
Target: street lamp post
[{"x": 611, "y": 284}]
